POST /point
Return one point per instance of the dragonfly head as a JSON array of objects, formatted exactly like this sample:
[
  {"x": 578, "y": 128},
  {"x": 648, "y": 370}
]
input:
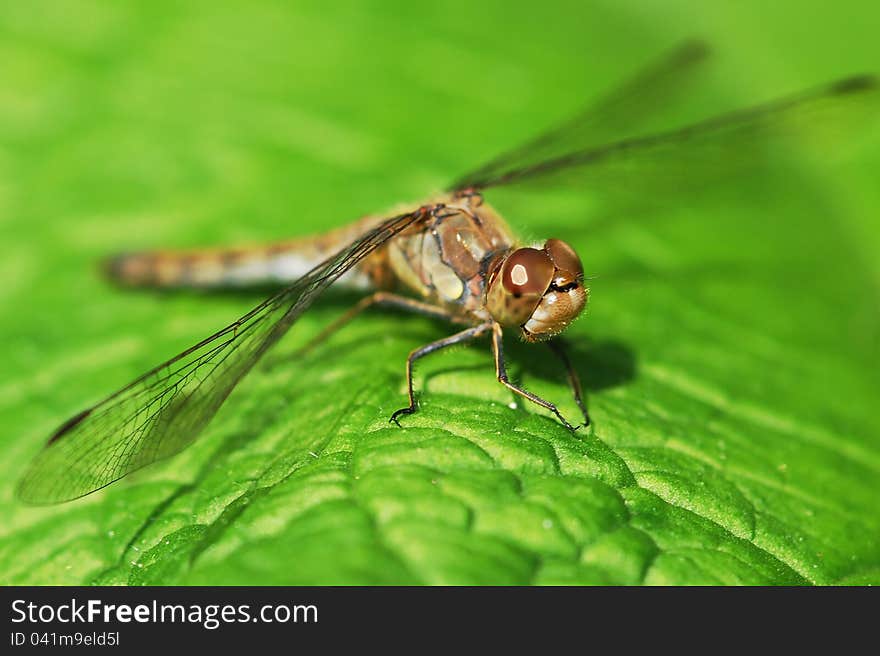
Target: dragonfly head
[{"x": 541, "y": 291}]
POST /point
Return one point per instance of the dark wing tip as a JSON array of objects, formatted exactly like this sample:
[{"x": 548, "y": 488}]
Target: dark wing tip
[
  {"x": 68, "y": 425},
  {"x": 856, "y": 84},
  {"x": 692, "y": 50},
  {"x": 31, "y": 488}
]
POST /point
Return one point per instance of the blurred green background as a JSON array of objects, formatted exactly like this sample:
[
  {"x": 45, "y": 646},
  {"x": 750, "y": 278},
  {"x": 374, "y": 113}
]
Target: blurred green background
[{"x": 730, "y": 350}]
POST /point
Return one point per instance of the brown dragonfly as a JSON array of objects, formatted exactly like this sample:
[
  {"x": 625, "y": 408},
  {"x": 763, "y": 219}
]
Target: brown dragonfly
[{"x": 455, "y": 256}]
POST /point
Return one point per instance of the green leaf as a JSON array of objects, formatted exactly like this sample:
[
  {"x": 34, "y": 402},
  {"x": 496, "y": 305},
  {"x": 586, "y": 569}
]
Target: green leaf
[{"x": 729, "y": 353}]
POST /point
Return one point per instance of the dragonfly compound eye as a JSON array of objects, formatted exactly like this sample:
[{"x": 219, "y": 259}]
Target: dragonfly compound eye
[
  {"x": 565, "y": 297},
  {"x": 527, "y": 271},
  {"x": 517, "y": 289},
  {"x": 568, "y": 264}
]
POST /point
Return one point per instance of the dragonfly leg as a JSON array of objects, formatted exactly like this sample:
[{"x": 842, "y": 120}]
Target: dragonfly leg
[
  {"x": 501, "y": 373},
  {"x": 574, "y": 381},
  {"x": 379, "y": 298},
  {"x": 457, "y": 338}
]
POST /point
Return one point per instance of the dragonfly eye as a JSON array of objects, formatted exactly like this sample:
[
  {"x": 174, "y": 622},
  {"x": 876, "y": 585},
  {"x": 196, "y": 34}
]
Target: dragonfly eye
[
  {"x": 539, "y": 291},
  {"x": 527, "y": 271},
  {"x": 515, "y": 291},
  {"x": 564, "y": 299},
  {"x": 568, "y": 264}
]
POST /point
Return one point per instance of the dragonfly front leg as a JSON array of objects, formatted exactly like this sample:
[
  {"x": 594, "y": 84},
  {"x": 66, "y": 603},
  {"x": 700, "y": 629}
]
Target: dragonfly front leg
[
  {"x": 501, "y": 373},
  {"x": 458, "y": 338},
  {"x": 574, "y": 381}
]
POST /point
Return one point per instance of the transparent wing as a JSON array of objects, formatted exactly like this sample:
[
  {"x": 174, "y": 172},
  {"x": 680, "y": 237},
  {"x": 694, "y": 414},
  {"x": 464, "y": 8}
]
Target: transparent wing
[
  {"x": 163, "y": 411},
  {"x": 818, "y": 119},
  {"x": 614, "y": 116}
]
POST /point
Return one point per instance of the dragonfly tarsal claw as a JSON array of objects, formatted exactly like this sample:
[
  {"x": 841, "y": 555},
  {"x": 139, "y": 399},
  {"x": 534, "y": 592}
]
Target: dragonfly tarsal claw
[
  {"x": 586, "y": 423},
  {"x": 568, "y": 425},
  {"x": 397, "y": 413}
]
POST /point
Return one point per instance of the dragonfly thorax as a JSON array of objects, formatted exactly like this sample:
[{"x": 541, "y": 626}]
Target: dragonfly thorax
[{"x": 540, "y": 291}]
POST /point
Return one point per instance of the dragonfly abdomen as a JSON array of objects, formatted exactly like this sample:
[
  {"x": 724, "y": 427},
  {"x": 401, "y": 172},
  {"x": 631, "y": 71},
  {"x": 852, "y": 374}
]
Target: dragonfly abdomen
[
  {"x": 209, "y": 269},
  {"x": 270, "y": 264}
]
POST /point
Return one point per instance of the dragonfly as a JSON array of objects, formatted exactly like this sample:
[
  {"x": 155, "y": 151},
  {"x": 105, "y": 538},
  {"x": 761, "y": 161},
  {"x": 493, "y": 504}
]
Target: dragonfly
[{"x": 452, "y": 257}]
